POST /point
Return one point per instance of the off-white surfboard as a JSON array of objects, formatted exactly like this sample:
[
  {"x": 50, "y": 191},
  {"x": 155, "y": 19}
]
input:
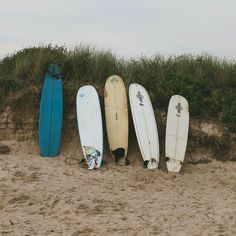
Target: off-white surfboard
[
  {"x": 116, "y": 112},
  {"x": 176, "y": 132},
  {"x": 145, "y": 125},
  {"x": 90, "y": 125}
]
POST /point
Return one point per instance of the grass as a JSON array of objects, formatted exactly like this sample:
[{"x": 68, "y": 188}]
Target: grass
[{"x": 208, "y": 83}]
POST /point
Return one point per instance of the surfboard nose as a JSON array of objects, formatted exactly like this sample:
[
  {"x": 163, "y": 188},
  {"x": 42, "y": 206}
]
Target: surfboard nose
[{"x": 54, "y": 71}]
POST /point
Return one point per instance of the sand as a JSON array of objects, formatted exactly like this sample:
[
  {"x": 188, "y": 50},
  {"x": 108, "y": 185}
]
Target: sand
[{"x": 40, "y": 196}]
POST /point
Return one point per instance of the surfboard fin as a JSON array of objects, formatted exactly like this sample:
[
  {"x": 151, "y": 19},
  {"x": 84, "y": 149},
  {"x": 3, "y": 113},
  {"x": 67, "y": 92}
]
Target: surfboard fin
[
  {"x": 145, "y": 164},
  {"x": 151, "y": 164},
  {"x": 91, "y": 156},
  {"x": 174, "y": 160},
  {"x": 118, "y": 153},
  {"x": 82, "y": 161},
  {"x": 127, "y": 162}
]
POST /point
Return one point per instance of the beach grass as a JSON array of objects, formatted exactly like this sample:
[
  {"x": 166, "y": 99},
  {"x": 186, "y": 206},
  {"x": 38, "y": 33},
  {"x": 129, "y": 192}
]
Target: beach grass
[{"x": 207, "y": 82}]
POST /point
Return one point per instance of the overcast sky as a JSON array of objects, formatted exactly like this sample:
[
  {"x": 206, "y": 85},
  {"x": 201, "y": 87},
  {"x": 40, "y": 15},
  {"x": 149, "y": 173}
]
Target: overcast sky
[{"x": 128, "y": 27}]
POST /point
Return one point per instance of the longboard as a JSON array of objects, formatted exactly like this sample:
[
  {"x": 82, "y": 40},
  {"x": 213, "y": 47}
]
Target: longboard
[
  {"x": 116, "y": 112},
  {"x": 145, "y": 125},
  {"x": 90, "y": 128},
  {"x": 51, "y": 113},
  {"x": 176, "y": 132}
]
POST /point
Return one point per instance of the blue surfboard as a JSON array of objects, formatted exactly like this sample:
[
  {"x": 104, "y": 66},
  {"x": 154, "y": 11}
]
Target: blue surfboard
[{"x": 51, "y": 113}]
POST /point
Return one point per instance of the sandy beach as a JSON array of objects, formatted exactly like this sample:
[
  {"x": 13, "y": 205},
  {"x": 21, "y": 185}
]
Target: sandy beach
[{"x": 40, "y": 196}]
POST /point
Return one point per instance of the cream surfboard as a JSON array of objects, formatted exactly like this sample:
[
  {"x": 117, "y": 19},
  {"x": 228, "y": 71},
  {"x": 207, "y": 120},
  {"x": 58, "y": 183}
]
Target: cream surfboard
[
  {"x": 89, "y": 121},
  {"x": 116, "y": 113},
  {"x": 145, "y": 125},
  {"x": 176, "y": 132}
]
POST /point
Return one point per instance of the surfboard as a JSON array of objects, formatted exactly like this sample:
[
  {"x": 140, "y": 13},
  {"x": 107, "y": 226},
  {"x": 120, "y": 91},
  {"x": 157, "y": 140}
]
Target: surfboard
[
  {"x": 145, "y": 125},
  {"x": 90, "y": 128},
  {"x": 51, "y": 113},
  {"x": 177, "y": 127},
  {"x": 116, "y": 113}
]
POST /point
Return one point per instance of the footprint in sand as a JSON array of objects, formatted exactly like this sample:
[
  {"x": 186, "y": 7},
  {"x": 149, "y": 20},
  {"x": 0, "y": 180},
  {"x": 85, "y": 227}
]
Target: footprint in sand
[
  {"x": 85, "y": 231},
  {"x": 33, "y": 177},
  {"x": 19, "y": 199}
]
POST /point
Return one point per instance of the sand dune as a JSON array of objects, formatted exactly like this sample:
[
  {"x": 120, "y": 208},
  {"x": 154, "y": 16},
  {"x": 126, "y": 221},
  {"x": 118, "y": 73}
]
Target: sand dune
[{"x": 40, "y": 196}]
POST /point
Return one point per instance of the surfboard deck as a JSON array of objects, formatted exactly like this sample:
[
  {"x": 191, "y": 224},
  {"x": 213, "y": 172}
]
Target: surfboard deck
[
  {"x": 116, "y": 113},
  {"x": 145, "y": 125},
  {"x": 51, "y": 113},
  {"x": 177, "y": 127},
  {"x": 90, "y": 127}
]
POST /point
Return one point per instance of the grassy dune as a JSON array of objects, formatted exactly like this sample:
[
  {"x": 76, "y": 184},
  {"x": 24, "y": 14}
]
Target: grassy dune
[{"x": 208, "y": 83}]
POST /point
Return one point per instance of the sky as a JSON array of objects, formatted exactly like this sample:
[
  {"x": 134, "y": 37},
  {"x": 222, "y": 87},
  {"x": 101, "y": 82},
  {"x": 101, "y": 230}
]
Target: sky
[{"x": 129, "y": 28}]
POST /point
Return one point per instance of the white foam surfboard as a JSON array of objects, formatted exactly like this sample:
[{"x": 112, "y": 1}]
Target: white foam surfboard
[
  {"x": 145, "y": 125},
  {"x": 176, "y": 132},
  {"x": 90, "y": 128}
]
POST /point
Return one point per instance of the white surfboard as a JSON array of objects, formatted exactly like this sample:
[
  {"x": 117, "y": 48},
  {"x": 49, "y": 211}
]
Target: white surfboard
[
  {"x": 89, "y": 121},
  {"x": 145, "y": 125},
  {"x": 176, "y": 132}
]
